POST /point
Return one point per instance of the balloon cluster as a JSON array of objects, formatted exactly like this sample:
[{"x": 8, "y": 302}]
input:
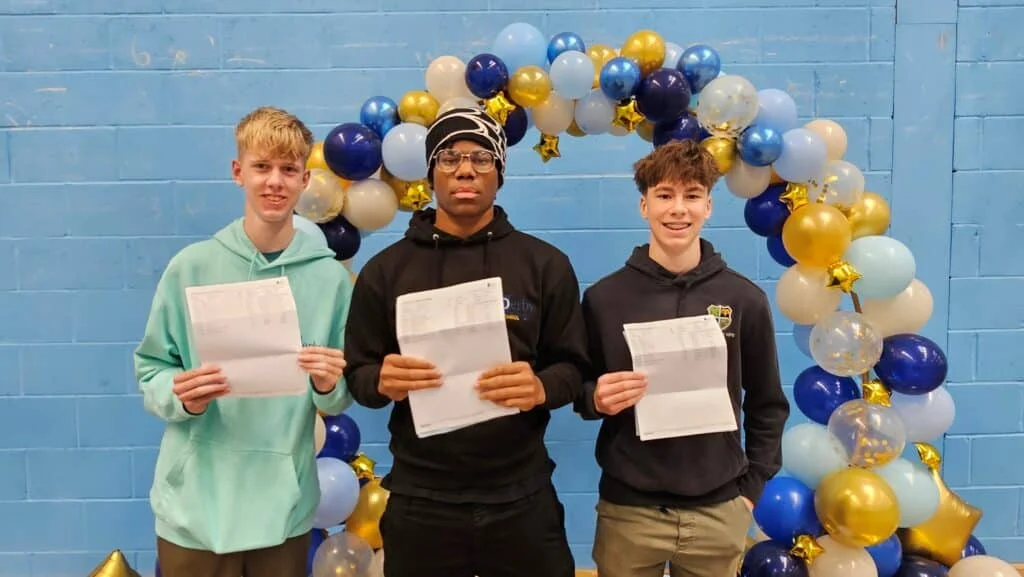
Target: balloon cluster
[{"x": 351, "y": 497}]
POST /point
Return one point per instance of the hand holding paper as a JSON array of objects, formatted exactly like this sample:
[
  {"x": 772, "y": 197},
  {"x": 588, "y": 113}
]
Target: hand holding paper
[
  {"x": 197, "y": 387},
  {"x": 399, "y": 375},
  {"x": 512, "y": 385},
  {"x": 324, "y": 366},
  {"x": 616, "y": 392}
]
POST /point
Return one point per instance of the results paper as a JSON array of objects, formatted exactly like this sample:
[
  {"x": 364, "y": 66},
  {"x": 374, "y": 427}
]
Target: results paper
[
  {"x": 251, "y": 330},
  {"x": 461, "y": 330},
  {"x": 686, "y": 363}
]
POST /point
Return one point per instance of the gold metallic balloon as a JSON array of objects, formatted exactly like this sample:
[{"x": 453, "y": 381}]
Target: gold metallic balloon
[
  {"x": 816, "y": 235},
  {"x": 115, "y": 565},
  {"x": 647, "y": 48},
  {"x": 857, "y": 507},
  {"x": 418, "y": 107},
  {"x": 722, "y": 149},
  {"x": 600, "y": 54},
  {"x": 646, "y": 130},
  {"x": 943, "y": 536},
  {"x": 869, "y": 216},
  {"x": 316, "y": 157},
  {"x": 529, "y": 86},
  {"x": 365, "y": 518}
]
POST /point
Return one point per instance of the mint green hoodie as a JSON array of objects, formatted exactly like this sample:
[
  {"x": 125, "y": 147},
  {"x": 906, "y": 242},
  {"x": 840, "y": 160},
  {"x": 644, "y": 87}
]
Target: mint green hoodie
[{"x": 242, "y": 475}]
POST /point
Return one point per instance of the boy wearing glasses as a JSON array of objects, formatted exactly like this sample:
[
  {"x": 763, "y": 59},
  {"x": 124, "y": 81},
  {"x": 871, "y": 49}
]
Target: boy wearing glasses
[{"x": 476, "y": 501}]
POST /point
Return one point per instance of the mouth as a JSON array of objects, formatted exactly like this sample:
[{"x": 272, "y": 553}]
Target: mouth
[
  {"x": 676, "y": 226},
  {"x": 274, "y": 200},
  {"x": 465, "y": 193}
]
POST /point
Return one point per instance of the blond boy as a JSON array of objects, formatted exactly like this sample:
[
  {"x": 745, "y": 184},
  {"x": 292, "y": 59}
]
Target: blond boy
[{"x": 235, "y": 487}]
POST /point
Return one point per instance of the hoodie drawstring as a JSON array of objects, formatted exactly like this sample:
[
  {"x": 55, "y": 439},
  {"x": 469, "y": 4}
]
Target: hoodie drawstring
[{"x": 442, "y": 254}]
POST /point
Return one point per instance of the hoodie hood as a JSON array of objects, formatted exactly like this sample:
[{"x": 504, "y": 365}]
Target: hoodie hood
[
  {"x": 711, "y": 263},
  {"x": 302, "y": 249},
  {"x": 423, "y": 232}
]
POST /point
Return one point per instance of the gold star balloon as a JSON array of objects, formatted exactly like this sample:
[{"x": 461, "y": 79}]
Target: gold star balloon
[
  {"x": 875, "y": 392},
  {"x": 499, "y": 108},
  {"x": 795, "y": 196},
  {"x": 943, "y": 536},
  {"x": 363, "y": 466},
  {"x": 547, "y": 148},
  {"x": 626, "y": 116},
  {"x": 807, "y": 548},
  {"x": 115, "y": 565},
  {"x": 842, "y": 275}
]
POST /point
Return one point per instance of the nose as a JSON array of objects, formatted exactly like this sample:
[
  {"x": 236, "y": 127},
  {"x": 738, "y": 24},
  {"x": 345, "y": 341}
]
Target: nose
[
  {"x": 678, "y": 204},
  {"x": 465, "y": 168},
  {"x": 276, "y": 178}
]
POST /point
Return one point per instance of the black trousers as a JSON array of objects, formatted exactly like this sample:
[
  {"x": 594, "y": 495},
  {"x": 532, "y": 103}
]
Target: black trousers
[{"x": 524, "y": 538}]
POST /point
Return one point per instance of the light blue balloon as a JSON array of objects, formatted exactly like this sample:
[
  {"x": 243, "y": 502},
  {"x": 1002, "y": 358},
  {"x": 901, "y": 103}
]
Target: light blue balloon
[
  {"x": 886, "y": 265},
  {"x": 810, "y": 453},
  {"x": 572, "y": 74},
  {"x": 521, "y": 44},
  {"x": 916, "y": 492},
  {"x": 803, "y": 156},
  {"x": 673, "y": 52},
  {"x": 926, "y": 417},
  {"x": 594, "y": 112},
  {"x": 802, "y": 338},
  {"x": 776, "y": 109},
  {"x": 339, "y": 492},
  {"x": 304, "y": 225},
  {"x": 404, "y": 151}
]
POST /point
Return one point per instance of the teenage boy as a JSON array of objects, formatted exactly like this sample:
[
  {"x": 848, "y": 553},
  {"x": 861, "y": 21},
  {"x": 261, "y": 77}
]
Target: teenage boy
[
  {"x": 476, "y": 501},
  {"x": 685, "y": 501},
  {"x": 235, "y": 488}
]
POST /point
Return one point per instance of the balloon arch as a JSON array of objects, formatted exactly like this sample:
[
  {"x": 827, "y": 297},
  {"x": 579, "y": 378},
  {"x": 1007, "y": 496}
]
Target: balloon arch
[{"x": 849, "y": 502}]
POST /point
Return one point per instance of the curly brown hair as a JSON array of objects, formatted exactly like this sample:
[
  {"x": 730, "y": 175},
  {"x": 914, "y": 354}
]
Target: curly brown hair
[{"x": 677, "y": 161}]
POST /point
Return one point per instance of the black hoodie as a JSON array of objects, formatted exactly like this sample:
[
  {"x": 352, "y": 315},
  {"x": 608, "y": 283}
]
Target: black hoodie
[
  {"x": 700, "y": 469},
  {"x": 501, "y": 459}
]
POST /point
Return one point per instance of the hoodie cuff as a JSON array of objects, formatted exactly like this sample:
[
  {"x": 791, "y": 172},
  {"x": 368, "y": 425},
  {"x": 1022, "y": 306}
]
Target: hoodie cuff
[
  {"x": 584, "y": 406},
  {"x": 751, "y": 486}
]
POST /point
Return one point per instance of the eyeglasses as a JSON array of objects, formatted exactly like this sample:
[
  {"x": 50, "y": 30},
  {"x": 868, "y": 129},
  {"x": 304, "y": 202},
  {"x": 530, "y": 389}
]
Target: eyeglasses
[{"x": 449, "y": 160}]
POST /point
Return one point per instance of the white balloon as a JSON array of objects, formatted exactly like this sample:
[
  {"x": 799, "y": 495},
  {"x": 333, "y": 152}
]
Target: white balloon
[
  {"x": 840, "y": 560},
  {"x": 319, "y": 434},
  {"x": 445, "y": 78},
  {"x": 554, "y": 115},
  {"x": 370, "y": 204},
  {"x": 982, "y": 566},
  {"x": 458, "y": 102}
]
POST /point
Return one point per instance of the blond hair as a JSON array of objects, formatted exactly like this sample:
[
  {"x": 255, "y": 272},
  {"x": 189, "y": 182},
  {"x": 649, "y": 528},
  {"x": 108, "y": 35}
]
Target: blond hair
[
  {"x": 678, "y": 162},
  {"x": 273, "y": 132}
]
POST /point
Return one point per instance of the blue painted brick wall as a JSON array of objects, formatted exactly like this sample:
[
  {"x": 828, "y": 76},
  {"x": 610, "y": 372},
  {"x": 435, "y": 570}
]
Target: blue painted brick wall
[{"x": 115, "y": 140}]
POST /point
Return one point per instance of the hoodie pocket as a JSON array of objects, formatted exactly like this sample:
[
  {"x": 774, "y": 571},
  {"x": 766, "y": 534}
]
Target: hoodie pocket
[{"x": 229, "y": 499}]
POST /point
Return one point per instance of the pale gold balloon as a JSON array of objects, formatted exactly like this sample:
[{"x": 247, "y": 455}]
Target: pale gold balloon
[
  {"x": 365, "y": 518},
  {"x": 803, "y": 295},
  {"x": 529, "y": 86},
  {"x": 646, "y": 130},
  {"x": 832, "y": 134},
  {"x": 839, "y": 560},
  {"x": 906, "y": 312},
  {"x": 600, "y": 54},
  {"x": 869, "y": 216},
  {"x": 323, "y": 198},
  {"x": 647, "y": 49},
  {"x": 857, "y": 507},
  {"x": 418, "y": 107}
]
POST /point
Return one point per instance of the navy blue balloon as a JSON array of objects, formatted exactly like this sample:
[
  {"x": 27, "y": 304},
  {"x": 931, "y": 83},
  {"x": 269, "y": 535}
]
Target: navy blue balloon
[
  {"x": 343, "y": 238},
  {"x": 973, "y": 547},
  {"x": 914, "y": 566},
  {"x": 682, "y": 128},
  {"x": 766, "y": 213},
  {"x": 343, "y": 438},
  {"x": 887, "y": 555},
  {"x": 486, "y": 75},
  {"x": 911, "y": 364},
  {"x": 516, "y": 125},
  {"x": 759, "y": 145},
  {"x": 619, "y": 78},
  {"x": 663, "y": 95},
  {"x": 778, "y": 251},
  {"x": 818, "y": 393},
  {"x": 786, "y": 510},
  {"x": 353, "y": 151},
  {"x": 564, "y": 41},
  {"x": 700, "y": 64},
  {"x": 156, "y": 570},
  {"x": 772, "y": 559},
  {"x": 380, "y": 114}
]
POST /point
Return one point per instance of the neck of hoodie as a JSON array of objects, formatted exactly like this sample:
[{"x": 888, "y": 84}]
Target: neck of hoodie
[
  {"x": 268, "y": 237},
  {"x": 679, "y": 263},
  {"x": 460, "y": 227},
  {"x": 423, "y": 231},
  {"x": 710, "y": 264}
]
